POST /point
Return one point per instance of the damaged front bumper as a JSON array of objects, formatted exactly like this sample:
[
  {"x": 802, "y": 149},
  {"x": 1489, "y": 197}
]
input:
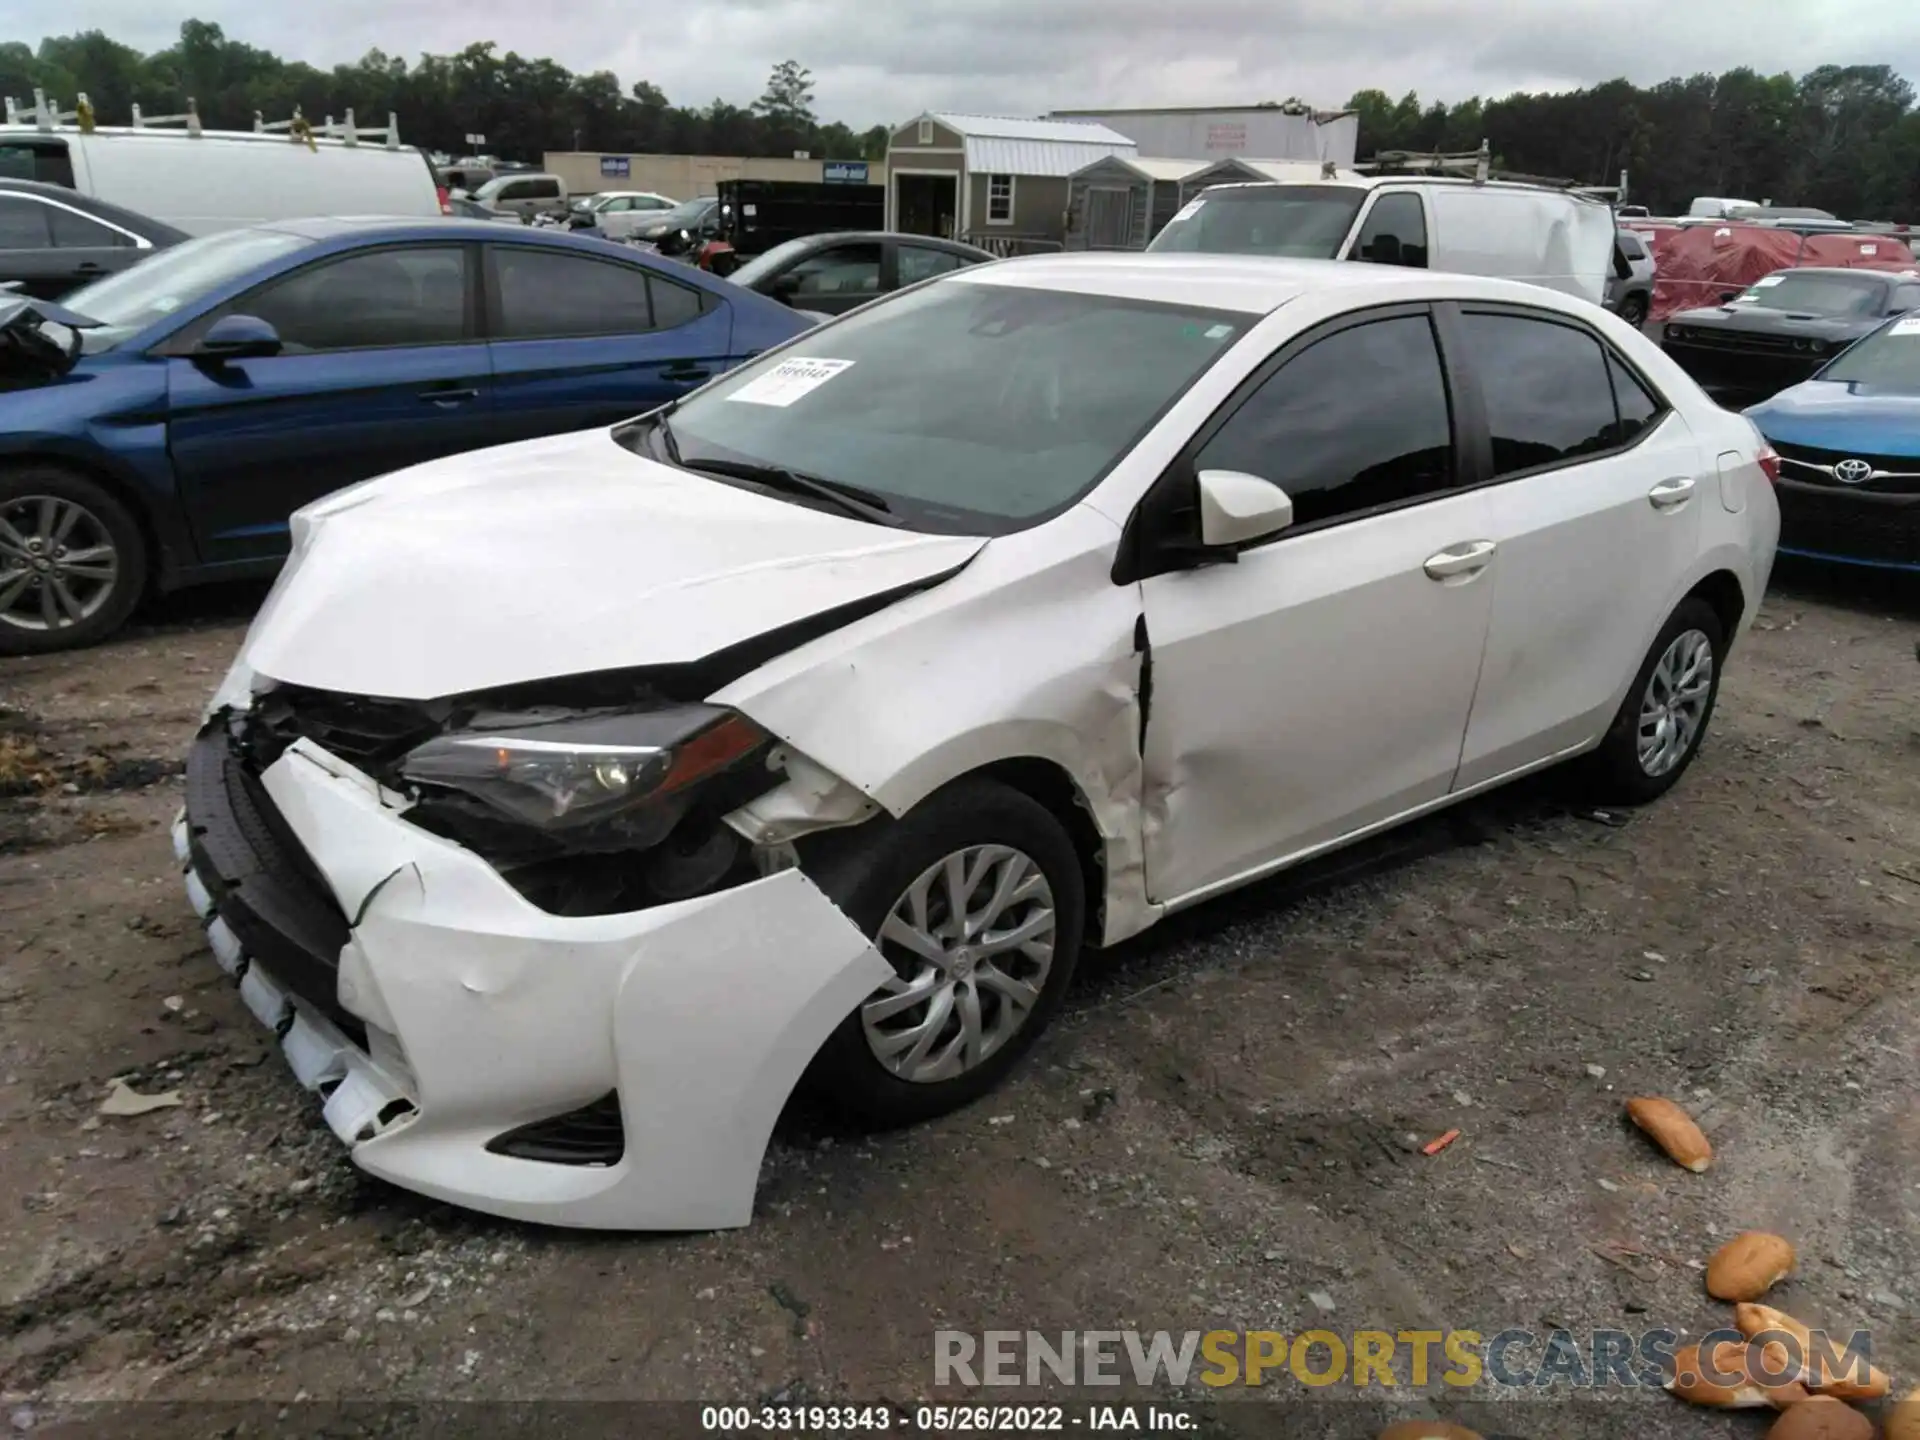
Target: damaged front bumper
[{"x": 456, "y": 1032}]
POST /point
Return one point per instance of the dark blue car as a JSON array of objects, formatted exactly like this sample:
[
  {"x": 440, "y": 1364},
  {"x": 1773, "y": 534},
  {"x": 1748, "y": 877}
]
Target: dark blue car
[
  {"x": 1849, "y": 443},
  {"x": 235, "y": 377}
]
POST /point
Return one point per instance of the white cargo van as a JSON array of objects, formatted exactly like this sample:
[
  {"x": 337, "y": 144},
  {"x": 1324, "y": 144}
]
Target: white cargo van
[
  {"x": 201, "y": 180},
  {"x": 1557, "y": 238}
]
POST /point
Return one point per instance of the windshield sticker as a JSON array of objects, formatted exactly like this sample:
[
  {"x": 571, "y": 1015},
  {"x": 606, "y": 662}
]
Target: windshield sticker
[
  {"x": 1188, "y": 210},
  {"x": 1762, "y": 283},
  {"x": 788, "y": 381},
  {"x": 1747, "y": 299},
  {"x": 1219, "y": 332},
  {"x": 1907, "y": 325}
]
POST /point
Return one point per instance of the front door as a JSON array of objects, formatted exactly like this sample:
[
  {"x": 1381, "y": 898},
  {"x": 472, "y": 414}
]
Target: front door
[
  {"x": 1595, "y": 509},
  {"x": 926, "y": 204},
  {"x": 579, "y": 340},
  {"x": 381, "y": 369},
  {"x": 1321, "y": 683}
]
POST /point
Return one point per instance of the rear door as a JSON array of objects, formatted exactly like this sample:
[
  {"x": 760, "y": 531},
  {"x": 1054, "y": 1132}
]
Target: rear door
[
  {"x": 1595, "y": 512},
  {"x": 382, "y": 368},
  {"x": 26, "y": 248},
  {"x": 578, "y": 340}
]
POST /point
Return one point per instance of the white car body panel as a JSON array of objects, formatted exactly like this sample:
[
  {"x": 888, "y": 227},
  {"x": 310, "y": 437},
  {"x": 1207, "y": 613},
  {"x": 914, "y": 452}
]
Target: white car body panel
[
  {"x": 511, "y": 1014},
  {"x": 1381, "y": 690},
  {"x": 651, "y": 566}
]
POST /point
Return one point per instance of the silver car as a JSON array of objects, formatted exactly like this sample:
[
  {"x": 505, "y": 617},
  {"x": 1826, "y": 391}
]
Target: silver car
[{"x": 1630, "y": 291}]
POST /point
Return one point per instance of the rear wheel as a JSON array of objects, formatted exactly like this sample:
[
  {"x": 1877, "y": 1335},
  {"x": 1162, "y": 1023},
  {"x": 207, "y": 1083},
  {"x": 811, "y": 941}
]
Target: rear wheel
[
  {"x": 1661, "y": 723},
  {"x": 976, "y": 900},
  {"x": 72, "y": 561},
  {"x": 1633, "y": 310}
]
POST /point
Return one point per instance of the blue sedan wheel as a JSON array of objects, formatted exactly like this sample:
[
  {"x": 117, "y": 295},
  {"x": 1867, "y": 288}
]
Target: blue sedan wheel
[{"x": 72, "y": 564}]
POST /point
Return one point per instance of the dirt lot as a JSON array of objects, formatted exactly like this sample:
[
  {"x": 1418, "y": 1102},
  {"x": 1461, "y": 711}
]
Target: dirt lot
[{"x": 1225, "y": 1125}]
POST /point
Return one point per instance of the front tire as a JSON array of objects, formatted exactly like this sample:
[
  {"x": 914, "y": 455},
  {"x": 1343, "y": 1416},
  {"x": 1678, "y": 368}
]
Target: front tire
[
  {"x": 1661, "y": 723},
  {"x": 976, "y": 898},
  {"x": 73, "y": 563}
]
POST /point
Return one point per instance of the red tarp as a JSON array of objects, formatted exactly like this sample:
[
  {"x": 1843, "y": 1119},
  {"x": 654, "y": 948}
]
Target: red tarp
[{"x": 1696, "y": 264}]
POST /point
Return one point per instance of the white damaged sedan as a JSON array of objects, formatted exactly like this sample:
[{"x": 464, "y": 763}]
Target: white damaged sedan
[{"x": 571, "y": 803}]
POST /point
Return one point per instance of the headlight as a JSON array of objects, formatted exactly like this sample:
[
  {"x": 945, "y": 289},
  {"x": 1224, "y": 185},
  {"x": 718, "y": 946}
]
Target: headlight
[{"x": 629, "y": 773}]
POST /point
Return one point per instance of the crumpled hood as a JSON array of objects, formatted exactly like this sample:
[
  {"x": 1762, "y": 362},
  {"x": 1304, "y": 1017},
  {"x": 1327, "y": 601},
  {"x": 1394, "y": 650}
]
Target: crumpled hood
[{"x": 557, "y": 557}]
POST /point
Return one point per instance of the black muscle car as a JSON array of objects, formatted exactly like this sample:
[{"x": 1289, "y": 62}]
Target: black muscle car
[{"x": 1782, "y": 328}]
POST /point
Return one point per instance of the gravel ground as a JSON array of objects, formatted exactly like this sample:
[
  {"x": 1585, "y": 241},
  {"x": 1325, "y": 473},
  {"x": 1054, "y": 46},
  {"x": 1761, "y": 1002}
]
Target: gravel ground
[{"x": 1225, "y": 1124}]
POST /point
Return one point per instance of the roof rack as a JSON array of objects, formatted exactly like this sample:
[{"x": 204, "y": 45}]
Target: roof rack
[
  {"x": 1477, "y": 166},
  {"x": 45, "y": 114}
]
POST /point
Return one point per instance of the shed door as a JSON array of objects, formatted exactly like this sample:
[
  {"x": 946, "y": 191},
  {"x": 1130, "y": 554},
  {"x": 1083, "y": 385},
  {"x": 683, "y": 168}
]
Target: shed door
[{"x": 1109, "y": 219}]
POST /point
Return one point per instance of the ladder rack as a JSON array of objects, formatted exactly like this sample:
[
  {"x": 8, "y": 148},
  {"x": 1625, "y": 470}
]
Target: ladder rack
[
  {"x": 1477, "y": 166},
  {"x": 46, "y": 115}
]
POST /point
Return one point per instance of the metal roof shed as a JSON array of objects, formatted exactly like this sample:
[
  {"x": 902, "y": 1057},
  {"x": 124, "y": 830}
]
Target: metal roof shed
[
  {"x": 1122, "y": 201},
  {"x": 998, "y": 181}
]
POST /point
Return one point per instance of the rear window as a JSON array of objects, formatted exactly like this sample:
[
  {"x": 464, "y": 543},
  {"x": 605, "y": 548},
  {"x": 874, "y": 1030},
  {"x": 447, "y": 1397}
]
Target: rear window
[
  {"x": 1631, "y": 247},
  {"x": 37, "y": 159},
  {"x": 1303, "y": 222}
]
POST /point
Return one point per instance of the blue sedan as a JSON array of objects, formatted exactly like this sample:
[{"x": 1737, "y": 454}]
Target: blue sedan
[
  {"x": 233, "y": 378},
  {"x": 1849, "y": 444}
]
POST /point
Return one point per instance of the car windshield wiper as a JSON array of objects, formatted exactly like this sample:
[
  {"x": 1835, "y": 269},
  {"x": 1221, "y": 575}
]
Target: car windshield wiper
[
  {"x": 854, "y": 501},
  {"x": 656, "y": 421}
]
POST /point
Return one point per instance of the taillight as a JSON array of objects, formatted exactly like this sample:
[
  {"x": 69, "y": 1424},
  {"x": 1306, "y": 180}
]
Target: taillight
[
  {"x": 446, "y": 200},
  {"x": 1769, "y": 459}
]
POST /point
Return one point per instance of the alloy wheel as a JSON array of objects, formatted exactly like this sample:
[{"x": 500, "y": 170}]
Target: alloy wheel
[
  {"x": 1674, "y": 704},
  {"x": 58, "y": 563},
  {"x": 971, "y": 942}
]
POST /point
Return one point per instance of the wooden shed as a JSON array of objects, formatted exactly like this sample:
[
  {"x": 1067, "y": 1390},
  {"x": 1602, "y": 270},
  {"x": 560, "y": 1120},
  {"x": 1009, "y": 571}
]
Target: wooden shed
[{"x": 1121, "y": 202}]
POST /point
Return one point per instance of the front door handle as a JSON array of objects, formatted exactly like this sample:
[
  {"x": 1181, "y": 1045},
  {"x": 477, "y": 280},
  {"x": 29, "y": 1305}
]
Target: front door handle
[
  {"x": 685, "y": 372},
  {"x": 1669, "y": 494},
  {"x": 450, "y": 396},
  {"x": 89, "y": 267},
  {"x": 1466, "y": 559}
]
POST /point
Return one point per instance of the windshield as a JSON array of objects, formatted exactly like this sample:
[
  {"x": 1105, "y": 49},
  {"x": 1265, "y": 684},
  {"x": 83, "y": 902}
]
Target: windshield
[
  {"x": 758, "y": 268},
  {"x": 687, "y": 212},
  {"x": 1888, "y": 359},
  {"x": 148, "y": 292},
  {"x": 968, "y": 408},
  {"x": 1827, "y": 294},
  {"x": 1303, "y": 222}
]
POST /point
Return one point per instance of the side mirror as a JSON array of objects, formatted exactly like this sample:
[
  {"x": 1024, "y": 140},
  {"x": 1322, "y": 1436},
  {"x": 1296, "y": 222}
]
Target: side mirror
[
  {"x": 1727, "y": 297},
  {"x": 785, "y": 287},
  {"x": 1236, "y": 507},
  {"x": 238, "y": 337}
]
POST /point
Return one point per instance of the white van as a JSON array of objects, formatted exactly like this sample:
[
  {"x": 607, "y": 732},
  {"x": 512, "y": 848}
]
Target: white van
[
  {"x": 1556, "y": 238},
  {"x": 223, "y": 179},
  {"x": 1717, "y": 207}
]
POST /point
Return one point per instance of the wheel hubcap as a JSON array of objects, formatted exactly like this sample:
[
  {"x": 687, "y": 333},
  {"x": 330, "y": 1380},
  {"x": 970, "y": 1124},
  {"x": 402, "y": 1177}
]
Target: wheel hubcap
[
  {"x": 971, "y": 944},
  {"x": 1675, "y": 702},
  {"x": 58, "y": 564}
]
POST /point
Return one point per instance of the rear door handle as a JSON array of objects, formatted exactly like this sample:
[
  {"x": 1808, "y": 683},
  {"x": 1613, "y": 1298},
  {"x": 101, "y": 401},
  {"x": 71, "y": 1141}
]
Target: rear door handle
[
  {"x": 685, "y": 372},
  {"x": 450, "y": 396},
  {"x": 89, "y": 267},
  {"x": 1671, "y": 493},
  {"x": 1466, "y": 559}
]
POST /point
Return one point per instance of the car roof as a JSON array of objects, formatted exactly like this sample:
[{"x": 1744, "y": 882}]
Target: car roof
[
  {"x": 1348, "y": 181},
  {"x": 1249, "y": 284},
  {"x": 935, "y": 242},
  {"x": 144, "y": 225}
]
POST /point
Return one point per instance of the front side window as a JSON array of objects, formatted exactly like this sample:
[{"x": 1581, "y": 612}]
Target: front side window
[
  {"x": 969, "y": 408},
  {"x": 1630, "y": 246},
  {"x": 1816, "y": 294},
  {"x": 918, "y": 263},
  {"x": 842, "y": 270},
  {"x": 1394, "y": 232},
  {"x": 1302, "y": 222},
  {"x": 38, "y": 159},
  {"x": 1548, "y": 393},
  {"x": 23, "y": 224},
  {"x": 545, "y": 295},
  {"x": 165, "y": 283},
  {"x": 373, "y": 300},
  {"x": 1354, "y": 421},
  {"x": 1000, "y": 199}
]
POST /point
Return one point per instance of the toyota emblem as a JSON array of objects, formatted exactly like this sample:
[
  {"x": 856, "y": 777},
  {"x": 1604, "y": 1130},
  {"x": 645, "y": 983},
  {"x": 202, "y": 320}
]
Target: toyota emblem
[{"x": 1852, "y": 472}]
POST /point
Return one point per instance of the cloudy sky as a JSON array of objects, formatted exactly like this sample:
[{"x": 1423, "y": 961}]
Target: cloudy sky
[{"x": 885, "y": 60}]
